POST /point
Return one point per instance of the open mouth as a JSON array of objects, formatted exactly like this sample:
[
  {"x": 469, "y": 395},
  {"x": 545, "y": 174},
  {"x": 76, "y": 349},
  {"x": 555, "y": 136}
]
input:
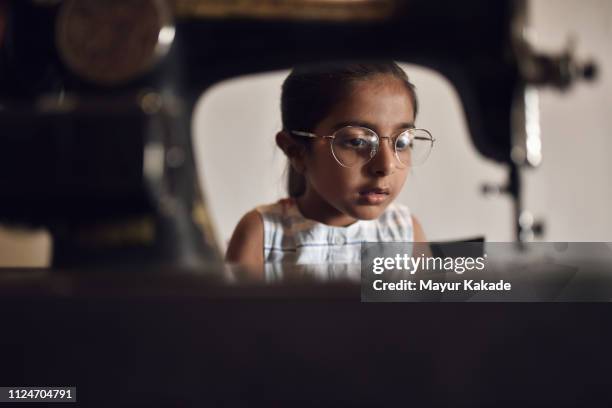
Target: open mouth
[{"x": 375, "y": 190}]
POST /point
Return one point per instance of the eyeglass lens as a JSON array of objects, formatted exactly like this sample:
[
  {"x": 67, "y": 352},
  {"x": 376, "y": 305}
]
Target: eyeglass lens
[{"x": 354, "y": 146}]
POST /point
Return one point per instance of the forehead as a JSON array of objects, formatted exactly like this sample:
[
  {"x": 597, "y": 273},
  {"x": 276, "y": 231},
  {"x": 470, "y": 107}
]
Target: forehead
[{"x": 380, "y": 100}]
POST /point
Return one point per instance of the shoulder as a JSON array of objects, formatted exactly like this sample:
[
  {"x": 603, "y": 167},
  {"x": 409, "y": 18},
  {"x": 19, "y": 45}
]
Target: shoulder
[
  {"x": 396, "y": 210},
  {"x": 419, "y": 234},
  {"x": 401, "y": 210},
  {"x": 421, "y": 246},
  {"x": 281, "y": 208},
  {"x": 396, "y": 214},
  {"x": 246, "y": 244}
]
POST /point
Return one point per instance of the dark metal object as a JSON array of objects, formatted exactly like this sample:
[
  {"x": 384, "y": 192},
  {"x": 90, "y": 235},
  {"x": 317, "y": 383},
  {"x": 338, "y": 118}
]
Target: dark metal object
[{"x": 112, "y": 178}]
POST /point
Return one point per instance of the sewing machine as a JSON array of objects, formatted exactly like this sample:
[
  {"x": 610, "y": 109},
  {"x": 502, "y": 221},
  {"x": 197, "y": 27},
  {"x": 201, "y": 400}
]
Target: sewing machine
[
  {"x": 96, "y": 102},
  {"x": 107, "y": 103}
]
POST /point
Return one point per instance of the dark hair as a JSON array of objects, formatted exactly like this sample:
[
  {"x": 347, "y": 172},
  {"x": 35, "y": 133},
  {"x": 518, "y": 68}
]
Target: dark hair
[{"x": 309, "y": 94}]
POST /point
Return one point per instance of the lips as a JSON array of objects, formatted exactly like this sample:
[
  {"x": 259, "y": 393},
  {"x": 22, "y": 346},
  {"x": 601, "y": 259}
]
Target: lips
[
  {"x": 375, "y": 195},
  {"x": 375, "y": 190}
]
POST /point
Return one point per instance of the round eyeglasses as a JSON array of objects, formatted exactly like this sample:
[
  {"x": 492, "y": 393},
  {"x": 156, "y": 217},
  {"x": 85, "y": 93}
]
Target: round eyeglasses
[{"x": 355, "y": 145}]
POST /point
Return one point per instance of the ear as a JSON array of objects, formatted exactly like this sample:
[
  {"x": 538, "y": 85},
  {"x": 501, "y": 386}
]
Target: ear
[{"x": 293, "y": 150}]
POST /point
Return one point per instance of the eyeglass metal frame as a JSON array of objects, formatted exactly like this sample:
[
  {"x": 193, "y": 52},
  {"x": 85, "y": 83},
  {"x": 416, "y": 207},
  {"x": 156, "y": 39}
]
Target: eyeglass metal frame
[{"x": 372, "y": 152}]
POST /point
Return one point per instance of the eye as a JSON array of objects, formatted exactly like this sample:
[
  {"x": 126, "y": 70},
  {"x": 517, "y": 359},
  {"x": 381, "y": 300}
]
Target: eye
[
  {"x": 355, "y": 138},
  {"x": 355, "y": 143},
  {"x": 403, "y": 142}
]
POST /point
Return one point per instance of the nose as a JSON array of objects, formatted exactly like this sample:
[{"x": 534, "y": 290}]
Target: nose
[{"x": 384, "y": 163}]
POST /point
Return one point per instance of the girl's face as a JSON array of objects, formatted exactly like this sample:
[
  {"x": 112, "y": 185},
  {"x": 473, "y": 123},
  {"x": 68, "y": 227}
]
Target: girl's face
[{"x": 337, "y": 195}]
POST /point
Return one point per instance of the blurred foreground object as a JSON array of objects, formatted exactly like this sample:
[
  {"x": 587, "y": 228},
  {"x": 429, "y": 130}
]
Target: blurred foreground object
[{"x": 322, "y": 10}]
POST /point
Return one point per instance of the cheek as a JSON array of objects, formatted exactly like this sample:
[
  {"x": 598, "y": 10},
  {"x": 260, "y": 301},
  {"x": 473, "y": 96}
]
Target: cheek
[
  {"x": 402, "y": 176},
  {"x": 319, "y": 162},
  {"x": 329, "y": 177},
  {"x": 347, "y": 179},
  {"x": 334, "y": 177}
]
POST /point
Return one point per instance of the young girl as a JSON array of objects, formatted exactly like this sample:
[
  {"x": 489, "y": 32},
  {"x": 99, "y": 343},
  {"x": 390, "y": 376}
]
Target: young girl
[{"x": 349, "y": 135}]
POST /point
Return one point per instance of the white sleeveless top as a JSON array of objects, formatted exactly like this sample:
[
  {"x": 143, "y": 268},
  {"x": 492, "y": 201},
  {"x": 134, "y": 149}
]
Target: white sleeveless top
[{"x": 291, "y": 238}]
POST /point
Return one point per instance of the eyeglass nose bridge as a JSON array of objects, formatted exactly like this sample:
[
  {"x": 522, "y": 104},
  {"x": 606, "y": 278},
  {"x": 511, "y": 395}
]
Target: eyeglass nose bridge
[{"x": 375, "y": 149}]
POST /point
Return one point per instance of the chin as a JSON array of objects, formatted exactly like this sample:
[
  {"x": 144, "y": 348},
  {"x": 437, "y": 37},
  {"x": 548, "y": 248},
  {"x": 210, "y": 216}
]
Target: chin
[{"x": 369, "y": 212}]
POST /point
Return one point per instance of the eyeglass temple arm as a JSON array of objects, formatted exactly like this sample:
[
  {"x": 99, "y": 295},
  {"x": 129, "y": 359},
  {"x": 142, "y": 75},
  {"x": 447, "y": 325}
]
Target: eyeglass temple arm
[
  {"x": 307, "y": 134},
  {"x": 424, "y": 138},
  {"x": 300, "y": 133}
]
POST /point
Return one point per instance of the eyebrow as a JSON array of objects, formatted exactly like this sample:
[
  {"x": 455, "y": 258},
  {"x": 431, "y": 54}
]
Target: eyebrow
[{"x": 404, "y": 125}]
